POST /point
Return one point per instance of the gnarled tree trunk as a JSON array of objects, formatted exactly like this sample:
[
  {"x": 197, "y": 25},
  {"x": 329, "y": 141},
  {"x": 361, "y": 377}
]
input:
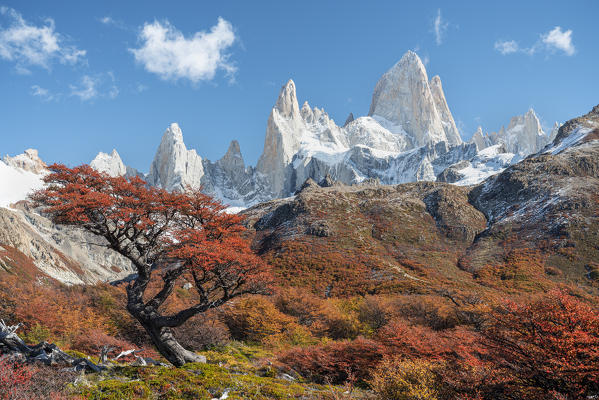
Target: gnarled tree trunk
[
  {"x": 162, "y": 337},
  {"x": 170, "y": 348}
]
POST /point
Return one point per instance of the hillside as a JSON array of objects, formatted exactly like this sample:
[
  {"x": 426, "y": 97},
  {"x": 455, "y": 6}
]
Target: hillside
[{"x": 542, "y": 212}]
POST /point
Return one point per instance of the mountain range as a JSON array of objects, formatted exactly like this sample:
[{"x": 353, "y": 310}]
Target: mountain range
[{"x": 408, "y": 135}]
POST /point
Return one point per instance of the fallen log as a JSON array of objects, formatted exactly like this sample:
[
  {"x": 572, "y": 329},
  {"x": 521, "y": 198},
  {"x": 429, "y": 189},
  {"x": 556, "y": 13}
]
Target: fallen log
[{"x": 44, "y": 352}]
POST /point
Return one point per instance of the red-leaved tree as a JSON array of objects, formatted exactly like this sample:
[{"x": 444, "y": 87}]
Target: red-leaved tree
[
  {"x": 547, "y": 346},
  {"x": 170, "y": 235}
]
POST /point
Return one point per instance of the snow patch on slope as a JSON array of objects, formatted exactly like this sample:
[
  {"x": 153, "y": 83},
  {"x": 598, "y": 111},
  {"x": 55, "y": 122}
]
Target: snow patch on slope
[
  {"x": 574, "y": 137},
  {"x": 16, "y": 184},
  {"x": 488, "y": 162}
]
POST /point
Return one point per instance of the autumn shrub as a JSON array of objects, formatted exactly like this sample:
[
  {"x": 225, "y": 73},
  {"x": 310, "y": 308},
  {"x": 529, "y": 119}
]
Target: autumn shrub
[
  {"x": 256, "y": 319},
  {"x": 308, "y": 309},
  {"x": 92, "y": 341},
  {"x": 435, "y": 312},
  {"x": 396, "y": 379},
  {"x": 547, "y": 345},
  {"x": 341, "y": 319},
  {"x": 374, "y": 312},
  {"x": 336, "y": 361},
  {"x": 202, "y": 332},
  {"x": 15, "y": 379}
]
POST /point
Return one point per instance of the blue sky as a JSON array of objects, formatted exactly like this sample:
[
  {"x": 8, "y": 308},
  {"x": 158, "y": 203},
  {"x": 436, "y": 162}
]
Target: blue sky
[{"x": 81, "y": 77}]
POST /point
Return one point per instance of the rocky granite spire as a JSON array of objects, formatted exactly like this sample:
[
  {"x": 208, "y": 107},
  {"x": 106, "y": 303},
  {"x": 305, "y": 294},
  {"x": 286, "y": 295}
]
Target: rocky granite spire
[
  {"x": 110, "y": 164},
  {"x": 232, "y": 161},
  {"x": 479, "y": 139},
  {"x": 524, "y": 135},
  {"x": 282, "y": 141},
  {"x": 451, "y": 130},
  {"x": 350, "y": 118},
  {"x": 174, "y": 167},
  {"x": 554, "y": 131},
  {"x": 403, "y": 97}
]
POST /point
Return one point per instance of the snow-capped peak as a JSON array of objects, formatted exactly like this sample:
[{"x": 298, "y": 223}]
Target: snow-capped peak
[
  {"x": 28, "y": 161},
  {"x": 174, "y": 167},
  {"x": 20, "y": 176},
  {"x": 287, "y": 102},
  {"x": 403, "y": 96},
  {"x": 110, "y": 164}
]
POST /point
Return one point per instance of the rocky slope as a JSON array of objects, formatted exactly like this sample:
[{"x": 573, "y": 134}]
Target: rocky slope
[
  {"x": 527, "y": 228},
  {"x": 32, "y": 245}
]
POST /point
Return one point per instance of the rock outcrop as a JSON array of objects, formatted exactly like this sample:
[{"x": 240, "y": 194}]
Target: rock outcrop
[
  {"x": 451, "y": 130},
  {"x": 28, "y": 161},
  {"x": 174, "y": 167},
  {"x": 404, "y": 97},
  {"x": 110, "y": 164}
]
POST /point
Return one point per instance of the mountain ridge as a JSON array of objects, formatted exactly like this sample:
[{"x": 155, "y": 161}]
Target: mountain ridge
[{"x": 408, "y": 135}]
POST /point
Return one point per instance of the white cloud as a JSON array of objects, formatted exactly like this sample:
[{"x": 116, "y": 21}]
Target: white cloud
[
  {"x": 439, "y": 27},
  {"x": 507, "y": 46},
  {"x": 556, "y": 39},
  {"x": 86, "y": 90},
  {"x": 29, "y": 45},
  {"x": 42, "y": 93},
  {"x": 165, "y": 51},
  {"x": 92, "y": 87}
]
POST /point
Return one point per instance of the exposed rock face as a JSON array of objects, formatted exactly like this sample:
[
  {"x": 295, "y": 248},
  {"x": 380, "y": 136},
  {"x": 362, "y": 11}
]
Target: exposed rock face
[
  {"x": 28, "y": 161},
  {"x": 479, "y": 139},
  {"x": 524, "y": 134},
  {"x": 67, "y": 254},
  {"x": 282, "y": 141},
  {"x": 350, "y": 118},
  {"x": 554, "y": 131},
  {"x": 588, "y": 122},
  {"x": 232, "y": 161},
  {"x": 452, "y": 173},
  {"x": 174, "y": 167},
  {"x": 403, "y": 97},
  {"x": 110, "y": 164},
  {"x": 548, "y": 199},
  {"x": 60, "y": 252},
  {"x": 451, "y": 130}
]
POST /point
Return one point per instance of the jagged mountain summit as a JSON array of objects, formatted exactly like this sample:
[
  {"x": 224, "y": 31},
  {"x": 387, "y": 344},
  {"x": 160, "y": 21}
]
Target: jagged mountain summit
[
  {"x": 523, "y": 136},
  {"x": 405, "y": 99},
  {"x": 27, "y": 161},
  {"x": 408, "y": 135},
  {"x": 113, "y": 165}
]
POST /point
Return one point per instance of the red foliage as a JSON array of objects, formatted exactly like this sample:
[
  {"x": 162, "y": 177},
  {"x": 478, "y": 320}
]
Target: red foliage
[
  {"x": 550, "y": 344},
  {"x": 336, "y": 362},
  {"x": 178, "y": 234},
  {"x": 14, "y": 379}
]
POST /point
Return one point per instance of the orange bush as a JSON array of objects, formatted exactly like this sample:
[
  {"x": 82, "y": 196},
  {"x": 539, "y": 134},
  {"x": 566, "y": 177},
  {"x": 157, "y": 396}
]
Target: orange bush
[
  {"x": 255, "y": 319},
  {"x": 337, "y": 361}
]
